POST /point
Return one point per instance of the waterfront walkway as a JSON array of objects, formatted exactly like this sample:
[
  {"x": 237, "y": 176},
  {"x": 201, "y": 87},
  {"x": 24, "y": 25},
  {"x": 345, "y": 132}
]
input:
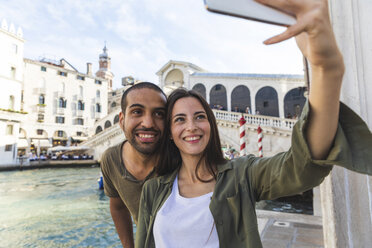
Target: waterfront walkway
[{"x": 284, "y": 230}]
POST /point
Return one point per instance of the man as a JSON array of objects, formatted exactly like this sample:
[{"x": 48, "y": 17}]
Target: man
[{"x": 126, "y": 166}]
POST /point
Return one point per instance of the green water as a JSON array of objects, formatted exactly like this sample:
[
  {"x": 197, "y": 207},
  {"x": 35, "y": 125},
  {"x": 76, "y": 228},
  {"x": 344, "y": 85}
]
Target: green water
[{"x": 54, "y": 208}]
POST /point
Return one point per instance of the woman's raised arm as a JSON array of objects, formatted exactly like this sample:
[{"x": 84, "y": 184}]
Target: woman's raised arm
[{"x": 315, "y": 38}]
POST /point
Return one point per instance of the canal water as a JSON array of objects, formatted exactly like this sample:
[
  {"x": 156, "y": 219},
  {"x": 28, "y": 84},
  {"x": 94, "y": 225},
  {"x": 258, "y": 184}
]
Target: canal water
[
  {"x": 54, "y": 208},
  {"x": 64, "y": 208}
]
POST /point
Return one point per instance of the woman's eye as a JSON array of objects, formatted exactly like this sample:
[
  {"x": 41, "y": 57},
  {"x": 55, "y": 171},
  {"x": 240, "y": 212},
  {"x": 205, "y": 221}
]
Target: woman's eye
[
  {"x": 200, "y": 117},
  {"x": 179, "y": 119}
]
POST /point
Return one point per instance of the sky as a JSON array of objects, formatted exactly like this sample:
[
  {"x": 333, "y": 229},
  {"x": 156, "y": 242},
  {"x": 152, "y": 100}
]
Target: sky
[{"x": 143, "y": 35}]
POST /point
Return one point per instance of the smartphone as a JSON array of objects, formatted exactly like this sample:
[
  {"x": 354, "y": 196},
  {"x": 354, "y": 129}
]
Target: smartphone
[{"x": 251, "y": 10}]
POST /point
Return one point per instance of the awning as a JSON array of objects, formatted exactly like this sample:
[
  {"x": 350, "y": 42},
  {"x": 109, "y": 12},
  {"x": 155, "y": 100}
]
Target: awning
[
  {"x": 42, "y": 143},
  {"x": 22, "y": 143}
]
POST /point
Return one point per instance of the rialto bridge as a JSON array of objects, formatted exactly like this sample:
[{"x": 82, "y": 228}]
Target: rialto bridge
[{"x": 269, "y": 97}]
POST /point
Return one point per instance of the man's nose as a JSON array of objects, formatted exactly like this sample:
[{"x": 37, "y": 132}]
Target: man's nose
[{"x": 148, "y": 121}]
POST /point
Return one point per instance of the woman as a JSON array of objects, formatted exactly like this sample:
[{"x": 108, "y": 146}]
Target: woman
[{"x": 201, "y": 200}]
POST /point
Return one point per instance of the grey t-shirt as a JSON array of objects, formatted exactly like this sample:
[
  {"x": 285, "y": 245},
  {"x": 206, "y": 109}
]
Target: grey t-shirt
[{"x": 118, "y": 182}]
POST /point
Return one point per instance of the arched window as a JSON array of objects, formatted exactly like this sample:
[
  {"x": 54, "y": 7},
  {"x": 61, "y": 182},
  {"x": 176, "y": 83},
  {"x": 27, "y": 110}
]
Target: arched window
[
  {"x": 41, "y": 99},
  {"x": 218, "y": 97},
  {"x": 98, "y": 129},
  {"x": 61, "y": 102},
  {"x": 113, "y": 104},
  {"x": 294, "y": 101},
  {"x": 11, "y": 102},
  {"x": 98, "y": 94},
  {"x": 267, "y": 102},
  {"x": 200, "y": 89},
  {"x": 98, "y": 108},
  {"x": 240, "y": 99},
  {"x": 80, "y": 105},
  {"x": 107, "y": 124},
  {"x": 116, "y": 119}
]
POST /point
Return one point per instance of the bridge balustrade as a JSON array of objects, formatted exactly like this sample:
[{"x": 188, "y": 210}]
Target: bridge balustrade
[{"x": 254, "y": 119}]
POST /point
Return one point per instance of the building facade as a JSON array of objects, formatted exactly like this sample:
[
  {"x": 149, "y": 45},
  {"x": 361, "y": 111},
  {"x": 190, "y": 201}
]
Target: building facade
[
  {"x": 62, "y": 104},
  {"x": 11, "y": 77}
]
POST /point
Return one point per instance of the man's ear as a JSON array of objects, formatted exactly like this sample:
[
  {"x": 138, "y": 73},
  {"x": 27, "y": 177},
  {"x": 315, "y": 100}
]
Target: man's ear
[{"x": 121, "y": 120}]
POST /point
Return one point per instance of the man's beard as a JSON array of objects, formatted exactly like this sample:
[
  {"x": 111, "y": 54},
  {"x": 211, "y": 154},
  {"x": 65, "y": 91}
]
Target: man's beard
[{"x": 146, "y": 149}]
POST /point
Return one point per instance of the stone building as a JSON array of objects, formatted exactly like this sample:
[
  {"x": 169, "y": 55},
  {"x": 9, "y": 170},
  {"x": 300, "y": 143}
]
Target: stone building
[
  {"x": 11, "y": 76},
  {"x": 62, "y": 103}
]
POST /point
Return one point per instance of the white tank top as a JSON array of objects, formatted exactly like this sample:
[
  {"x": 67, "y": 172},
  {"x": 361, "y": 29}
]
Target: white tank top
[{"x": 185, "y": 222}]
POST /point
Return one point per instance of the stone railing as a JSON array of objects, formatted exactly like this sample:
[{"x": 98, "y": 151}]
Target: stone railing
[
  {"x": 104, "y": 136},
  {"x": 261, "y": 120}
]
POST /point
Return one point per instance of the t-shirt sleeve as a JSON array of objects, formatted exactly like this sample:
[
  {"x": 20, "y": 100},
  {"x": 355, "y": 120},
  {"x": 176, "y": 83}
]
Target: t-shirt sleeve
[
  {"x": 295, "y": 171},
  {"x": 106, "y": 169}
]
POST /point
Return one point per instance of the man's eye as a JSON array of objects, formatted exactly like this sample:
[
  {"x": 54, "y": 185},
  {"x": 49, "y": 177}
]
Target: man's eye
[
  {"x": 160, "y": 114},
  {"x": 136, "y": 112}
]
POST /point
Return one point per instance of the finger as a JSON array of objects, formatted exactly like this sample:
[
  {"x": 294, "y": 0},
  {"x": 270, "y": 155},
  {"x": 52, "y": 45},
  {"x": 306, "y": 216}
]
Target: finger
[{"x": 291, "y": 31}]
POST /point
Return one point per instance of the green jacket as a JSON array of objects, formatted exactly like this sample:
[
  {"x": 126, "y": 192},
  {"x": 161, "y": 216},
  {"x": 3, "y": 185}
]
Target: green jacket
[{"x": 246, "y": 180}]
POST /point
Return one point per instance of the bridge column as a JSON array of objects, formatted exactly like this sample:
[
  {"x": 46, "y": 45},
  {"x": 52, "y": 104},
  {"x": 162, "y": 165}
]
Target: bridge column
[
  {"x": 228, "y": 97},
  {"x": 281, "y": 103},
  {"x": 253, "y": 101}
]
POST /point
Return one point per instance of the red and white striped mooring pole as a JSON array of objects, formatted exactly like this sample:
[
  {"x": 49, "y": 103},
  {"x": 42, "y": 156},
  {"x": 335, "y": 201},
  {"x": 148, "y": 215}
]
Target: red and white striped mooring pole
[
  {"x": 242, "y": 136},
  {"x": 259, "y": 131}
]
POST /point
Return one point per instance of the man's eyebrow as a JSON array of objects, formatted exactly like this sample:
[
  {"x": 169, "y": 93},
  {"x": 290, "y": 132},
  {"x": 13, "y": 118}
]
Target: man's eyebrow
[
  {"x": 160, "y": 108},
  {"x": 134, "y": 105}
]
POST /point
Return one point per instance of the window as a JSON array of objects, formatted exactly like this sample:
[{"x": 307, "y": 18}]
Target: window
[
  {"x": 113, "y": 105},
  {"x": 14, "y": 48},
  {"x": 79, "y": 121},
  {"x": 41, "y": 100},
  {"x": 60, "y": 133},
  {"x": 9, "y": 129},
  {"x": 114, "y": 93},
  {"x": 39, "y": 131},
  {"x": 80, "y": 105},
  {"x": 98, "y": 108},
  {"x": 62, "y": 103},
  {"x": 80, "y": 77},
  {"x": 79, "y": 134},
  {"x": 98, "y": 81},
  {"x": 8, "y": 148},
  {"x": 62, "y": 73},
  {"x": 60, "y": 119},
  {"x": 43, "y": 68},
  {"x": 12, "y": 72},
  {"x": 40, "y": 117},
  {"x": 98, "y": 94},
  {"x": 11, "y": 102}
]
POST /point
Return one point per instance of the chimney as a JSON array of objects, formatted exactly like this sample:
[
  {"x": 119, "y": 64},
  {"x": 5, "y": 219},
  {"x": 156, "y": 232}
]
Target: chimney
[{"x": 89, "y": 69}]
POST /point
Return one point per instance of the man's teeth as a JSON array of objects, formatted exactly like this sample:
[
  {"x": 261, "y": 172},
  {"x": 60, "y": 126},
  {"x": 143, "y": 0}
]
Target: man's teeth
[
  {"x": 192, "y": 138},
  {"x": 146, "y": 136}
]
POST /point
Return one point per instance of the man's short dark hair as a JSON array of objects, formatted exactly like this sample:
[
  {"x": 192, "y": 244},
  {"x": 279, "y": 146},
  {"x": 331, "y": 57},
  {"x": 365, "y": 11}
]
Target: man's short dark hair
[{"x": 142, "y": 85}]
